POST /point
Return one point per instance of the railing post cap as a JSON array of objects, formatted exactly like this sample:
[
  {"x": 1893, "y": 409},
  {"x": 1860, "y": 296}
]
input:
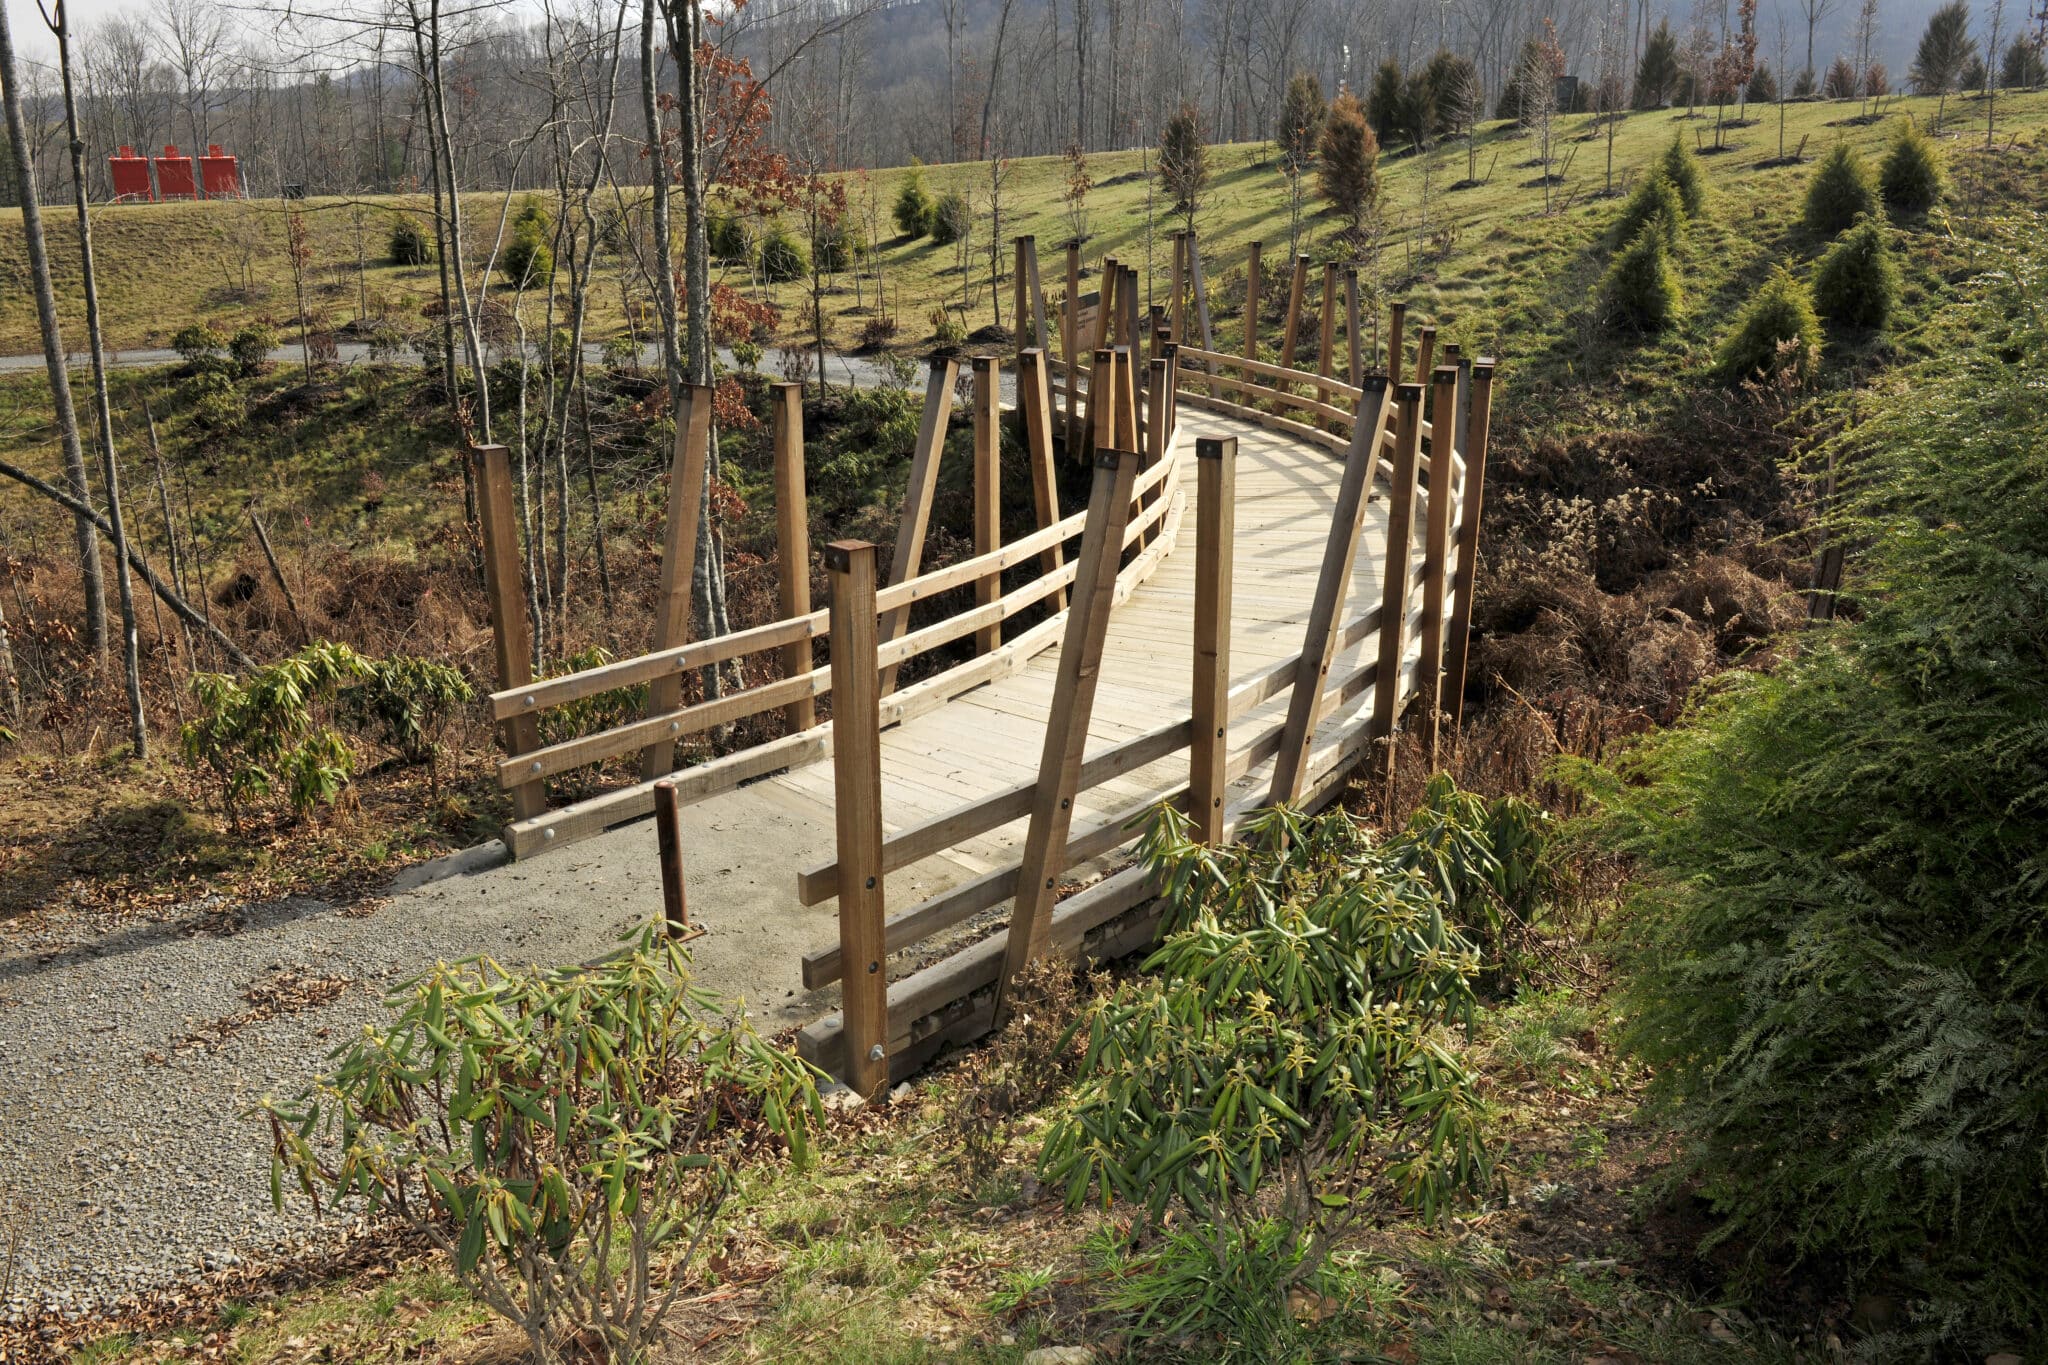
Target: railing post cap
[
  {"x": 1482, "y": 368},
  {"x": 1444, "y": 374},
  {"x": 1409, "y": 393},
  {"x": 839, "y": 554},
  {"x": 1213, "y": 447}
]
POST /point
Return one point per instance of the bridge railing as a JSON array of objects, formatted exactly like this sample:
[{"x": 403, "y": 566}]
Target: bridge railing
[
  {"x": 666, "y": 719},
  {"x": 1231, "y": 727}
]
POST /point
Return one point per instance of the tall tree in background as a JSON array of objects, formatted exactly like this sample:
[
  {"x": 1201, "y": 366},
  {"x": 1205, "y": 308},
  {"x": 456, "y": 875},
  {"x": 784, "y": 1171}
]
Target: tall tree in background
[
  {"x": 1383, "y": 102},
  {"x": 53, "y": 345},
  {"x": 1945, "y": 49},
  {"x": 1347, "y": 170},
  {"x": 1657, "y": 73},
  {"x": 1184, "y": 161},
  {"x": 1814, "y": 12},
  {"x": 110, "y": 469},
  {"x": 1302, "y": 114}
]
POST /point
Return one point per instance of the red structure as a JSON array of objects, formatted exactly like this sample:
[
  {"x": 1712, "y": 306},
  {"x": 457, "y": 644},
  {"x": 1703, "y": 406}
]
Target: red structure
[
  {"x": 219, "y": 175},
  {"x": 131, "y": 177},
  {"x": 174, "y": 176}
]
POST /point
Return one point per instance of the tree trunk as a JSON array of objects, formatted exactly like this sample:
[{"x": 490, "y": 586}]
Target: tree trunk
[
  {"x": 53, "y": 348},
  {"x": 110, "y": 472}
]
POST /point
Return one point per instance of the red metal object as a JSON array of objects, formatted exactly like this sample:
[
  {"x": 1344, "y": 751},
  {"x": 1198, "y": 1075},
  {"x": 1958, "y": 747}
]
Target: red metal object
[
  {"x": 131, "y": 177},
  {"x": 174, "y": 176},
  {"x": 219, "y": 174}
]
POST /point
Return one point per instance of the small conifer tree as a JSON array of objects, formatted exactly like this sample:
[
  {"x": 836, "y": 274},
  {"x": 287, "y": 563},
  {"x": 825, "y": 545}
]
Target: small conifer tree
[
  {"x": 913, "y": 208},
  {"x": 1857, "y": 281},
  {"x": 1683, "y": 171},
  {"x": 1910, "y": 175},
  {"x": 1184, "y": 161},
  {"x": 783, "y": 257},
  {"x": 1347, "y": 168},
  {"x": 1641, "y": 290},
  {"x": 1655, "y": 202},
  {"x": 1777, "y": 331},
  {"x": 1840, "y": 191}
]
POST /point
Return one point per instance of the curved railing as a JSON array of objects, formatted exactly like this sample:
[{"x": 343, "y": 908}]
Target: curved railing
[{"x": 1150, "y": 535}]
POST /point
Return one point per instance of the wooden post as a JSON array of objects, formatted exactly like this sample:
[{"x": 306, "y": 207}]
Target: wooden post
[
  {"x": 1474, "y": 446},
  {"x": 678, "y": 565},
  {"x": 1251, "y": 303},
  {"x": 792, "y": 540},
  {"x": 1177, "y": 302},
  {"x": 1157, "y": 429},
  {"x": 1157, "y": 331},
  {"x": 1425, "y": 353},
  {"x": 988, "y": 492},
  {"x": 1112, "y": 282},
  {"x": 511, "y": 632},
  {"x": 1386, "y": 691},
  {"x": 1397, "y": 344},
  {"x": 1443, "y": 490},
  {"x": 1126, "y": 379},
  {"x": 1073, "y": 703},
  {"x": 668, "y": 833},
  {"x": 1070, "y": 348},
  {"x": 1092, "y": 434},
  {"x": 857, "y": 801},
  {"x": 1215, "y": 544},
  {"x": 1035, "y": 294},
  {"x": 917, "y": 497},
  {"x": 1127, "y": 295},
  {"x": 1351, "y": 326},
  {"x": 1034, "y": 401},
  {"x": 1295, "y": 287},
  {"x": 1201, "y": 298},
  {"x": 1340, "y": 552},
  {"x": 1326, "y": 343},
  {"x": 1020, "y": 314}
]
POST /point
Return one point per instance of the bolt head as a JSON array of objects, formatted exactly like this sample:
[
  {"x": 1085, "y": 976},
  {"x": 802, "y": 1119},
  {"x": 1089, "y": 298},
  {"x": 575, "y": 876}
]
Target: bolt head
[
  {"x": 875, "y": 1053},
  {"x": 529, "y": 700}
]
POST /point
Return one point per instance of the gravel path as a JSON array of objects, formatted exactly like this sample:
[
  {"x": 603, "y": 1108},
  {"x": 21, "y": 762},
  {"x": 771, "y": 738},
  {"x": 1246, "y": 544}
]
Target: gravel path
[{"x": 131, "y": 1061}]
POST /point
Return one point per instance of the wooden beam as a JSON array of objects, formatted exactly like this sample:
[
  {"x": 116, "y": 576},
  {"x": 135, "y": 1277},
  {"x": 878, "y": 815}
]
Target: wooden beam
[
  {"x": 1397, "y": 345},
  {"x": 1035, "y": 293},
  {"x": 988, "y": 491},
  {"x": 1386, "y": 693},
  {"x": 1251, "y": 302},
  {"x": 1070, "y": 344},
  {"x": 1333, "y": 582},
  {"x": 1215, "y": 533},
  {"x": 511, "y": 632},
  {"x": 1158, "y": 428},
  {"x": 1295, "y": 287},
  {"x": 1034, "y": 401},
  {"x": 1425, "y": 354},
  {"x": 917, "y": 496},
  {"x": 1177, "y": 303},
  {"x": 1127, "y": 297},
  {"x": 1073, "y": 704},
  {"x": 1475, "y": 422},
  {"x": 857, "y": 812},
  {"x": 1436, "y": 551},
  {"x": 1201, "y": 294},
  {"x": 1326, "y": 342},
  {"x": 792, "y": 541},
  {"x": 678, "y": 563},
  {"x": 1357, "y": 371}
]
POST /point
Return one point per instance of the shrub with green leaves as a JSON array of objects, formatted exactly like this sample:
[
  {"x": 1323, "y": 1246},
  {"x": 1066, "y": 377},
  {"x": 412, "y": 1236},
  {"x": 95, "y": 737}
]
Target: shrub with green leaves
[
  {"x": 527, "y": 259},
  {"x": 1777, "y": 334},
  {"x": 952, "y": 218},
  {"x": 1840, "y": 191},
  {"x": 726, "y": 234},
  {"x": 1910, "y": 178},
  {"x": 1857, "y": 282},
  {"x": 250, "y": 736},
  {"x": 1655, "y": 202},
  {"x": 250, "y": 346},
  {"x": 196, "y": 343},
  {"x": 783, "y": 257},
  {"x": 1682, "y": 169},
  {"x": 1292, "y": 1055},
  {"x": 409, "y": 242},
  {"x": 409, "y": 701},
  {"x": 912, "y": 210},
  {"x": 836, "y": 243},
  {"x": 1835, "y": 947},
  {"x": 549, "y": 1129}
]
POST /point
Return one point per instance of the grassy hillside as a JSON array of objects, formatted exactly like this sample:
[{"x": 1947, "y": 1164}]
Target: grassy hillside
[{"x": 164, "y": 265}]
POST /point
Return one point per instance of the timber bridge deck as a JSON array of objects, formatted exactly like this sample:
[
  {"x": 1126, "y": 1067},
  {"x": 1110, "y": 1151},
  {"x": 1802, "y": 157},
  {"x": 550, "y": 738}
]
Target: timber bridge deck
[{"x": 1263, "y": 582}]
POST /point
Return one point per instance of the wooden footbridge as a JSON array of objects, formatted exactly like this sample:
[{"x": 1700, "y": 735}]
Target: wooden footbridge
[{"x": 1275, "y": 565}]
